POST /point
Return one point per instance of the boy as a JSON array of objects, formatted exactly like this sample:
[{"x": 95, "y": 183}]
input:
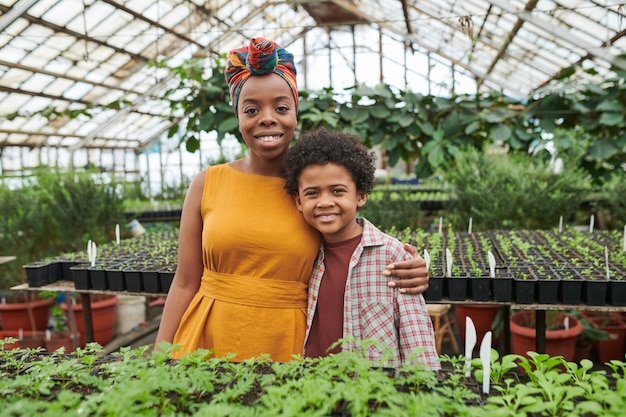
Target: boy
[{"x": 329, "y": 174}]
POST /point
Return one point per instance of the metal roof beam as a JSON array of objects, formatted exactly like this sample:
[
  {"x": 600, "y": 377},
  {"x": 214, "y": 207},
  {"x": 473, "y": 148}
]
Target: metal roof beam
[
  {"x": 564, "y": 35},
  {"x": 139, "y": 16},
  {"x": 40, "y": 94},
  {"x": 15, "y": 12},
  {"x": 61, "y": 29},
  {"x": 64, "y": 76},
  {"x": 509, "y": 39},
  {"x": 416, "y": 40}
]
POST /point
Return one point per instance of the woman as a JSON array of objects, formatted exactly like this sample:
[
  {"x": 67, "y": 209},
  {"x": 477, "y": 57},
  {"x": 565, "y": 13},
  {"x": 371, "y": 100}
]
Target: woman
[{"x": 245, "y": 253}]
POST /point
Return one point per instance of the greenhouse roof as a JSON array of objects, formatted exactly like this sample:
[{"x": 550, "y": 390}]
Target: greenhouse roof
[{"x": 70, "y": 54}]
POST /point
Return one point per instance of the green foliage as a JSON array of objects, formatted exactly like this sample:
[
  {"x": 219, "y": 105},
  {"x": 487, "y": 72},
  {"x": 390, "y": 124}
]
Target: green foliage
[
  {"x": 513, "y": 191},
  {"x": 53, "y": 213},
  {"x": 135, "y": 382},
  {"x": 411, "y": 126},
  {"x": 386, "y": 208},
  {"x": 614, "y": 198}
]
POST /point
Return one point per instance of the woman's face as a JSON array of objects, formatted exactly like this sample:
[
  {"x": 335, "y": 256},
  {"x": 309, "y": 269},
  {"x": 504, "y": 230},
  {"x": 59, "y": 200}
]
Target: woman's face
[{"x": 267, "y": 115}]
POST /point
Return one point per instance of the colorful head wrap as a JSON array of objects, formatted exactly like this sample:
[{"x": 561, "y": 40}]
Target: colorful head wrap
[{"x": 260, "y": 57}]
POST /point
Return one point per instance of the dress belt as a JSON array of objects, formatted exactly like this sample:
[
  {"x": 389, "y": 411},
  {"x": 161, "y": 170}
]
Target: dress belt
[{"x": 259, "y": 292}]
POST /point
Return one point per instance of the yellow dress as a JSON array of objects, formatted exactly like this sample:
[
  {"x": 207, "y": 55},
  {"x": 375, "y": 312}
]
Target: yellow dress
[{"x": 258, "y": 253}]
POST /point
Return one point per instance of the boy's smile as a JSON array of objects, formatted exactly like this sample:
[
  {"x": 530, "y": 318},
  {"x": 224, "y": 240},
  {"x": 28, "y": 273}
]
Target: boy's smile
[{"x": 329, "y": 200}]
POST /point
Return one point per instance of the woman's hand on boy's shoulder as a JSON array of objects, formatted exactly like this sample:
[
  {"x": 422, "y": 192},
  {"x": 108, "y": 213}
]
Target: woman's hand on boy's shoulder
[{"x": 410, "y": 276}]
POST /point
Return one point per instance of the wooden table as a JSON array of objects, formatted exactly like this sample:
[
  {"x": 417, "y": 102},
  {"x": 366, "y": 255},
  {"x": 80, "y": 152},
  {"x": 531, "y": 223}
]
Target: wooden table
[{"x": 540, "y": 309}]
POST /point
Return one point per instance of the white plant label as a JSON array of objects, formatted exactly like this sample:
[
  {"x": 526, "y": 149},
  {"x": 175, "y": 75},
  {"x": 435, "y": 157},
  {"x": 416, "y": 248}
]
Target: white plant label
[
  {"x": 441, "y": 225},
  {"x": 427, "y": 259},
  {"x": 469, "y": 227},
  {"x": 448, "y": 262},
  {"x": 561, "y": 224},
  {"x": 492, "y": 264},
  {"x": 606, "y": 261},
  {"x": 591, "y": 224},
  {"x": 117, "y": 233}
]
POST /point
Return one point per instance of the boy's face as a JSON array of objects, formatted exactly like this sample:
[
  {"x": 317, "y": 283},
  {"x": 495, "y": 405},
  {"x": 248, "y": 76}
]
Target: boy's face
[{"x": 328, "y": 199}]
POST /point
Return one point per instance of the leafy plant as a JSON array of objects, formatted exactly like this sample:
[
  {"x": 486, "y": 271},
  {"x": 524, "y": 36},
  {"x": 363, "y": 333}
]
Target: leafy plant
[
  {"x": 512, "y": 191},
  {"x": 55, "y": 212}
]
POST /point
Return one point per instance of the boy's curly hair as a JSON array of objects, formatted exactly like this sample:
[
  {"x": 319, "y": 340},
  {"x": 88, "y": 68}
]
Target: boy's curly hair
[{"x": 322, "y": 146}]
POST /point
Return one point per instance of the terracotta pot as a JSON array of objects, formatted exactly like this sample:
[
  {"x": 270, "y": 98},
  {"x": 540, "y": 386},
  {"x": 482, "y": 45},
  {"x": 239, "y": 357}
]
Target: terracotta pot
[
  {"x": 481, "y": 315},
  {"x": 30, "y": 339},
  {"x": 561, "y": 342},
  {"x": 608, "y": 350},
  {"x": 15, "y": 316},
  {"x": 103, "y": 311},
  {"x": 56, "y": 340}
]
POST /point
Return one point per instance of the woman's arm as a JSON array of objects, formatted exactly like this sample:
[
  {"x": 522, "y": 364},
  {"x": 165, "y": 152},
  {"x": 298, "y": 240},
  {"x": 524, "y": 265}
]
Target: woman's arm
[
  {"x": 190, "y": 267},
  {"x": 410, "y": 276}
]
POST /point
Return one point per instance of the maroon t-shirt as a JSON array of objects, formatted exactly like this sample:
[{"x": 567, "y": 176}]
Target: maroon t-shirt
[{"x": 327, "y": 325}]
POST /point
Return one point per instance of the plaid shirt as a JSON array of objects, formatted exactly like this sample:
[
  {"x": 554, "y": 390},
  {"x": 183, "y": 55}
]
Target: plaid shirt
[{"x": 374, "y": 311}]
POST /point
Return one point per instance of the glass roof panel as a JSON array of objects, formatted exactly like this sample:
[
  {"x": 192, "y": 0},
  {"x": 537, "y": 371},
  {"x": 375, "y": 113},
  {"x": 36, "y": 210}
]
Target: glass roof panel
[{"x": 70, "y": 53}]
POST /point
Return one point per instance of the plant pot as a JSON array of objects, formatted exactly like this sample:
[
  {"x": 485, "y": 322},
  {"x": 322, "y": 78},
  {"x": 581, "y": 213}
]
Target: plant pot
[
  {"x": 610, "y": 349},
  {"x": 482, "y": 316},
  {"x": 457, "y": 288},
  {"x": 26, "y": 339},
  {"x": 151, "y": 281},
  {"x": 434, "y": 292},
  {"x": 480, "y": 288},
  {"x": 65, "y": 272},
  {"x": 559, "y": 342},
  {"x": 617, "y": 292},
  {"x": 98, "y": 277},
  {"x": 15, "y": 315},
  {"x": 80, "y": 276},
  {"x": 547, "y": 291},
  {"x": 571, "y": 291},
  {"x": 595, "y": 291},
  {"x": 525, "y": 290},
  {"x": 103, "y": 316},
  {"x": 56, "y": 340},
  {"x": 134, "y": 282},
  {"x": 37, "y": 273},
  {"x": 166, "y": 278},
  {"x": 502, "y": 288},
  {"x": 116, "y": 280}
]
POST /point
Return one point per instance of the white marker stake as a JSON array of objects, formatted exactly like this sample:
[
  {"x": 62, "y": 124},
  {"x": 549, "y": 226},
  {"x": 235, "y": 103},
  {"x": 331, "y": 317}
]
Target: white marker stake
[
  {"x": 624, "y": 245},
  {"x": 591, "y": 224},
  {"x": 485, "y": 358},
  {"x": 561, "y": 224},
  {"x": 469, "y": 228},
  {"x": 606, "y": 261},
  {"x": 492, "y": 264},
  {"x": 94, "y": 251},
  {"x": 117, "y": 233},
  {"x": 470, "y": 342},
  {"x": 427, "y": 259},
  {"x": 441, "y": 226},
  {"x": 448, "y": 262}
]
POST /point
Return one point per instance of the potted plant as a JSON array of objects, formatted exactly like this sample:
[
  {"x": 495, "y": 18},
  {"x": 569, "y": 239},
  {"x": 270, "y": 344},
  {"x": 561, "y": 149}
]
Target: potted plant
[
  {"x": 25, "y": 310},
  {"x": 58, "y": 334},
  {"x": 560, "y": 338},
  {"x": 103, "y": 317},
  {"x": 613, "y": 347},
  {"x": 588, "y": 338}
]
